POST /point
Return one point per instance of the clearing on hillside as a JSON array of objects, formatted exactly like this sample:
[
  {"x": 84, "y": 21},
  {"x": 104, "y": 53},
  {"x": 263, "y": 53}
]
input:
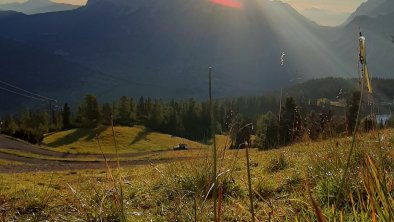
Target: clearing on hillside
[{"x": 128, "y": 139}]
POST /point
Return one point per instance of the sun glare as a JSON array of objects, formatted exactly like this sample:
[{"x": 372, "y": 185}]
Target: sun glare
[{"x": 227, "y": 3}]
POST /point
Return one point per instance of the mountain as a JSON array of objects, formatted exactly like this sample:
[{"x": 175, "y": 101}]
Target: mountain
[
  {"x": 325, "y": 17},
  {"x": 380, "y": 48},
  {"x": 163, "y": 48},
  {"x": 37, "y": 6},
  {"x": 338, "y": 88},
  {"x": 43, "y": 73},
  {"x": 372, "y": 8}
]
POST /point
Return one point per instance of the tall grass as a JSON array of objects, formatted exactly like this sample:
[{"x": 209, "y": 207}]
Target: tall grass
[{"x": 249, "y": 183}]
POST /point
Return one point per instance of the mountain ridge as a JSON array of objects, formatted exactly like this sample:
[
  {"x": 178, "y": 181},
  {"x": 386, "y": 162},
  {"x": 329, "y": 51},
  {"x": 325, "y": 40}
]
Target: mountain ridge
[
  {"x": 372, "y": 8},
  {"x": 37, "y": 6},
  {"x": 162, "y": 48}
]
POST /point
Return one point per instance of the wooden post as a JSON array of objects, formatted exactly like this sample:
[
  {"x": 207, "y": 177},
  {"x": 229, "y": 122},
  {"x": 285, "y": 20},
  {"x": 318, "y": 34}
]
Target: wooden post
[
  {"x": 280, "y": 114},
  {"x": 249, "y": 182}
]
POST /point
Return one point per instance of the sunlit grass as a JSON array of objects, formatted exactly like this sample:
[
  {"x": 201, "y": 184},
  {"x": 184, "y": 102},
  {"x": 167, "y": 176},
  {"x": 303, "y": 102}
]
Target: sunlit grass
[
  {"x": 173, "y": 191},
  {"x": 129, "y": 139}
]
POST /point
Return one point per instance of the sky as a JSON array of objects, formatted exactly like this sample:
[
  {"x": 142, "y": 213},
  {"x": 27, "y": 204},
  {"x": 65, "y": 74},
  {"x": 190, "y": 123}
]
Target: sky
[{"x": 332, "y": 5}]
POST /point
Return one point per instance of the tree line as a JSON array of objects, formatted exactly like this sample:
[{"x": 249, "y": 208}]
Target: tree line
[
  {"x": 311, "y": 122},
  {"x": 240, "y": 118}
]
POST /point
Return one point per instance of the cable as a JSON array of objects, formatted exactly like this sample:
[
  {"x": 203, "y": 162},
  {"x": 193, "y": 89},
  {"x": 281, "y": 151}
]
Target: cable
[
  {"x": 24, "y": 95},
  {"x": 26, "y": 91}
]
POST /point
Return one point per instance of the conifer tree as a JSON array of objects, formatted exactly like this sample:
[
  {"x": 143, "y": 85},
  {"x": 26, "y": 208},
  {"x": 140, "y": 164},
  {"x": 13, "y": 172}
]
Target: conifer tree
[
  {"x": 124, "y": 113},
  {"x": 107, "y": 114},
  {"x": 66, "y": 117},
  {"x": 92, "y": 111}
]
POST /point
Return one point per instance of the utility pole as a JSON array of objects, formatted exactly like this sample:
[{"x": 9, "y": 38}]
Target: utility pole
[
  {"x": 280, "y": 113},
  {"x": 249, "y": 182},
  {"x": 52, "y": 103},
  {"x": 51, "y": 112},
  {"x": 213, "y": 131}
]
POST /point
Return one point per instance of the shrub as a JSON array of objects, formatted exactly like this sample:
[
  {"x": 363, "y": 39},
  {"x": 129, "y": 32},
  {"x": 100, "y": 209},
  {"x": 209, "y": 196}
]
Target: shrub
[
  {"x": 200, "y": 182},
  {"x": 28, "y": 134},
  {"x": 265, "y": 189},
  {"x": 278, "y": 163},
  {"x": 292, "y": 182}
]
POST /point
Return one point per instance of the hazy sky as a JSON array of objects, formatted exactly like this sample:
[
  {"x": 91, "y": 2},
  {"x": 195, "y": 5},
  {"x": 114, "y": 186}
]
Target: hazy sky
[{"x": 333, "y": 5}]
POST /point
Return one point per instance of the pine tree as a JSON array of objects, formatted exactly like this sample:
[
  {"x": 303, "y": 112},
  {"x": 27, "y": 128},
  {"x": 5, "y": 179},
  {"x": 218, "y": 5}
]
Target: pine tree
[
  {"x": 41, "y": 122},
  {"x": 156, "y": 116},
  {"x": 107, "y": 114},
  {"x": 313, "y": 125},
  {"x": 10, "y": 126},
  {"x": 286, "y": 123},
  {"x": 66, "y": 117},
  {"x": 80, "y": 116},
  {"x": 148, "y": 107},
  {"x": 132, "y": 111},
  {"x": 92, "y": 111},
  {"x": 124, "y": 113},
  {"x": 267, "y": 131},
  {"x": 141, "y": 108},
  {"x": 25, "y": 118}
]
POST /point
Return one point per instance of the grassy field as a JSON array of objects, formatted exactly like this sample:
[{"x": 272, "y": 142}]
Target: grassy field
[
  {"x": 129, "y": 139},
  {"x": 179, "y": 191}
]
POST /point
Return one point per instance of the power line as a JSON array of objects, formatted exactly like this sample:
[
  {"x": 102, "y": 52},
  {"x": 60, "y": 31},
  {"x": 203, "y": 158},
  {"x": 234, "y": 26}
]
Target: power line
[
  {"x": 28, "y": 92},
  {"x": 24, "y": 95}
]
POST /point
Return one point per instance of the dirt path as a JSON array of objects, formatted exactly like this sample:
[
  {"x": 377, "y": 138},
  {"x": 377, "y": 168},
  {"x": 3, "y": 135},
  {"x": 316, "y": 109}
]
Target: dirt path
[
  {"x": 25, "y": 160},
  {"x": 13, "y": 144},
  {"x": 34, "y": 165}
]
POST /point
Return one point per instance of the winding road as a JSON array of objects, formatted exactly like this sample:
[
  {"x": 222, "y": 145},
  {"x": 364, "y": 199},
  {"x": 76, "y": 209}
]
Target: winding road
[{"x": 35, "y": 164}]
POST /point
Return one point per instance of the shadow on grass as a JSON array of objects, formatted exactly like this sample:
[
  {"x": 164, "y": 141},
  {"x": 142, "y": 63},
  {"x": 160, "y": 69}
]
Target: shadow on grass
[
  {"x": 141, "y": 136},
  {"x": 89, "y": 133},
  {"x": 96, "y": 131}
]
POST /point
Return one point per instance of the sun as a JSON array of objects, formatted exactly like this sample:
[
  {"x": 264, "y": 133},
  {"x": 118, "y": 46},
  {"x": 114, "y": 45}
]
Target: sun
[{"x": 227, "y": 3}]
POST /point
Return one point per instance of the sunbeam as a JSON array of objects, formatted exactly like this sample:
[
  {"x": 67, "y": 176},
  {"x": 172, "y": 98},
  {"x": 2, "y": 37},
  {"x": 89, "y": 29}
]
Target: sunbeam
[{"x": 227, "y": 3}]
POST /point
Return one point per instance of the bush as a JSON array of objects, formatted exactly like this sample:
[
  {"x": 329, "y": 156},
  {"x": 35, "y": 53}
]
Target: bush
[
  {"x": 293, "y": 182},
  {"x": 31, "y": 135},
  {"x": 327, "y": 172},
  {"x": 200, "y": 182},
  {"x": 390, "y": 122},
  {"x": 265, "y": 189},
  {"x": 278, "y": 163}
]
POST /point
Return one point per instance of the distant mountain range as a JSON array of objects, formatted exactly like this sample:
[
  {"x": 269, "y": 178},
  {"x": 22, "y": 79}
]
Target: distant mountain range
[
  {"x": 37, "y": 6},
  {"x": 325, "y": 17},
  {"x": 338, "y": 88},
  {"x": 373, "y": 8},
  {"x": 163, "y": 48},
  {"x": 39, "y": 71}
]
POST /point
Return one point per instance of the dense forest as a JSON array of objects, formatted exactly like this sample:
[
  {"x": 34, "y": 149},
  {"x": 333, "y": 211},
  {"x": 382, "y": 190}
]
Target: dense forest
[{"x": 300, "y": 117}]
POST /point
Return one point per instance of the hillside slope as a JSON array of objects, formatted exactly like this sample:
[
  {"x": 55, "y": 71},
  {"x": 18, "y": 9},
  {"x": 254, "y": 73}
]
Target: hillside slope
[
  {"x": 331, "y": 88},
  {"x": 45, "y": 73},
  {"x": 37, "y": 6},
  {"x": 128, "y": 139},
  {"x": 153, "y": 44},
  {"x": 372, "y": 8},
  {"x": 163, "y": 48}
]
